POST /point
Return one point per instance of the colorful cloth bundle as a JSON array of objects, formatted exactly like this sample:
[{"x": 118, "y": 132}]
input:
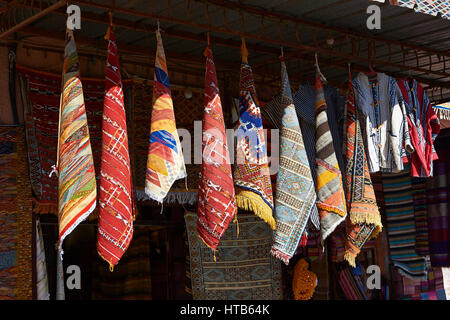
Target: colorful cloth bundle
[
  {"x": 295, "y": 195},
  {"x": 16, "y": 220},
  {"x": 165, "y": 162},
  {"x": 330, "y": 191},
  {"x": 399, "y": 206},
  {"x": 216, "y": 197},
  {"x": 251, "y": 173},
  {"x": 116, "y": 213},
  {"x": 244, "y": 270},
  {"x": 77, "y": 191},
  {"x": 432, "y": 288},
  {"x": 419, "y": 187},
  {"x": 364, "y": 219},
  {"x": 353, "y": 283}
]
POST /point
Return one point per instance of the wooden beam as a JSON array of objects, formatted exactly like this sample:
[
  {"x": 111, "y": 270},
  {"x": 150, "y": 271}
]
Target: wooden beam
[{"x": 33, "y": 18}]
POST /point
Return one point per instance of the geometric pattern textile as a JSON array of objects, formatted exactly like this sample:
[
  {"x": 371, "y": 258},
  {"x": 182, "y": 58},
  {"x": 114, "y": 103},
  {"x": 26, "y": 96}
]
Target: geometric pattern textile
[
  {"x": 364, "y": 219},
  {"x": 431, "y": 7},
  {"x": 16, "y": 220},
  {"x": 330, "y": 191},
  {"x": 165, "y": 162},
  {"x": 216, "y": 196},
  {"x": 77, "y": 190},
  {"x": 244, "y": 268},
  {"x": 295, "y": 197},
  {"x": 115, "y": 221},
  {"x": 251, "y": 172}
]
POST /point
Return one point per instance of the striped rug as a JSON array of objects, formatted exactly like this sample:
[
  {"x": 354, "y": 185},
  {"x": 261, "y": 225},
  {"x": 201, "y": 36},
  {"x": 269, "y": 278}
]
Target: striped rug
[{"x": 399, "y": 206}]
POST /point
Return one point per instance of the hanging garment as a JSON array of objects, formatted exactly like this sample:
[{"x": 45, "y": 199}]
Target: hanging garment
[
  {"x": 385, "y": 131},
  {"x": 77, "y": 189},
  {"x": 116, "y": 213},
  {"x": 216, "y": 196},
  {"x": 251, "y": 172},
  {"x": 42, "y": 292},
  {"x": 423, "y": 128},
  {"x": 165, "y": 163},
  {"x": 399, "y": 206},
  {"x": 364, "y": 219},
  {"x": 295, "y": 195},
  {"x": 330, "y": 191}
]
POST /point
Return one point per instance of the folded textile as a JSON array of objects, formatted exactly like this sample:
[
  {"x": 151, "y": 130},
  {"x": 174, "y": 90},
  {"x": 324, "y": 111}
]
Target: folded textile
[
  {"x": 364, "y": 220},
  {"x": 77, "y": 190},
  {"x": 165, "y": 162},
  {"x": 352, "y": 283},
  {"x": 116, "y": 212},
  {"x": 399, "y": 206},
  {"x": 330, "y": 192},
  {"x": 419, "y": 187},
  {"x": 295, "y": 194},
  {"x": 251, "y": 172},
  {"x": 216, "y": 196}
]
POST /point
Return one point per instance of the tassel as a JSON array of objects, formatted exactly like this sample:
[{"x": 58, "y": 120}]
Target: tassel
[
  {"x": 237, "y": 224},
  {"x": 111, "y": 267},
  {"x": 304, "y": 240},
  {"x": 214, "y": 253}
]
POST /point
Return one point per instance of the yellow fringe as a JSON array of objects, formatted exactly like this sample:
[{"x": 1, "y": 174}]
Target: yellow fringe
[
  {"x": 262, "y": 211},
  {"x": 214, "y": 250},
  {"x": 350, "y": 258},
  {"x": 45, "y": 208},
  {"x": 237, "y": 224},
  {"x": 111, "y": 267},
  {"x": 360, "y": 217}
]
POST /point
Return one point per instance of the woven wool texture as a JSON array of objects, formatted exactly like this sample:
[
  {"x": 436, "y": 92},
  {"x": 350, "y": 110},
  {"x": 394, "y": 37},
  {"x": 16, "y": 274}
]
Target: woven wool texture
[
  {"x": 251, "y": 172},
  {"x": 115, "y": 222},
  {"x": 165, "y": 162},
  {"x": 244, "y": 268},
  {"x": 330, "y": 192},
  {"x": 364, "y": 219},
  {"x": 16, "y": 221},
  {"x": 216, "y": 195},
  {"x": 77, "y": 191},
  {"x": 295, "y": 195}
]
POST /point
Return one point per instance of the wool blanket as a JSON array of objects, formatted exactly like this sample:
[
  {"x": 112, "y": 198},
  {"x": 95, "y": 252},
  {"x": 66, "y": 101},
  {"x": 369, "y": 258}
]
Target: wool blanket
[
  {"x": 364, "y": 220},
  {"x": 431, "y": 288},
  {"x": 216, "y": 196},
  {"x": 353, "y": 284},
  {"x": 438, "y": 200},
  {"x": 165, "y": 162},
  {"x": 295, "y": 197},
  {"x": 251, "y": 172},
  {"x": 116, "y": 213},
  {"x": 77, "y": 191},
  {"x": 16, "y": 220},
  {"x": 244, "y": 268},
  {"x": 419, "y": 187},
  {"x": 40, "y": 93},
  {"x": 399, "y": 206},
  {"x": 330, "y": 192}
]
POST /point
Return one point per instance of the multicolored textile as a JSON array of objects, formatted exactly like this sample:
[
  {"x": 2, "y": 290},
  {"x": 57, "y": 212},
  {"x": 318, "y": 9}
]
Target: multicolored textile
[
  {"x": 216, "y": 196},
  {"x": 165, "y": 162},
  {"x": 420, "y": 215},
  {"x": 131, "y": 279},
  {"x": 423, "y": 127},
  {"x": 116, "y": 213},
  {"x": 432, "y": 288},
  {"x": 352, "y": 283},
  {"x": 399, "y": 206},
  {"x": 16, "y": 221},
  {"x": 330, "y": 192},
  {"x": 40, "y": 94},
  {"x": 295, "y": 195},
  {"x": 446, "y": 281},
  {"x": 385, "y": 131},
  {"x": 364, "y": 219},
  {"x": 42, "y": 292},
  {"x": 438, "y": 201},
  {"x": 431, "y": 7},
  {"x": 77, "y": 189},
  {"x": 244, "y": 270},
  {"x": 251, "y": 172}
]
